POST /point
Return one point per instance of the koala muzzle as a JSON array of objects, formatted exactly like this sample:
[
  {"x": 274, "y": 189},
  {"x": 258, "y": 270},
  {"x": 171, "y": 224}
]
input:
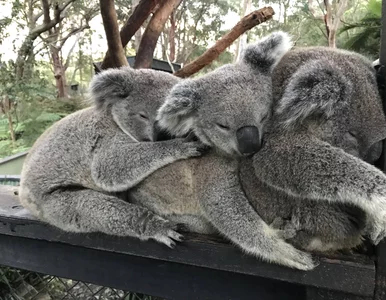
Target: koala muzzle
[
  {"x": 248, "y": 139},
  {"x": 160, "y": 134}
]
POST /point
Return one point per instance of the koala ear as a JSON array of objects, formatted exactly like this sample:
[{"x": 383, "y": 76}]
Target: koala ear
[
  {"x": 111, "y": 86},
  {"x": 177, "y": 114},
  {"x": 317, "y": 88},
  {"x": 265, "y": 54}
]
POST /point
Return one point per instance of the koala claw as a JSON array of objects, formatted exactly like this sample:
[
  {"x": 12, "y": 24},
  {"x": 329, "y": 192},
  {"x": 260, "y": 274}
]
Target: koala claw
[
  {"x": 196, "y": 149},
  {"x": 377, "y": 226},
  {"x": 165, "y": 233},
  {"x": 287, "y": 255}
]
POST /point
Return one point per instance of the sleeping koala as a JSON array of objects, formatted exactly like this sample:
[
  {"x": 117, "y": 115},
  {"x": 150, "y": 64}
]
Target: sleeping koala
[
  {"x": 227, "y": 109},
  {"x": 73, "y": 174},
  {"x": 327, "y": 117}
]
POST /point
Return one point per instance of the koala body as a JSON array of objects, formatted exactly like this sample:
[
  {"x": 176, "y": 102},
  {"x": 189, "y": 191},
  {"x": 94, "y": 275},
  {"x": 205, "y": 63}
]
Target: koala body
[
  {"x": 227, "y": 109},
  {"x": 327, "y": 121},
  {"x": 73, "y": 174},
  {"x": 212, "y": 190}
]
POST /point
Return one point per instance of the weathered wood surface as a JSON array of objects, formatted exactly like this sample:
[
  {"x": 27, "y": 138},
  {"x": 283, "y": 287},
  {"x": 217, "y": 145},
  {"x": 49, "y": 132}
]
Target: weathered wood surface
[{"x": 351, "y": 274}]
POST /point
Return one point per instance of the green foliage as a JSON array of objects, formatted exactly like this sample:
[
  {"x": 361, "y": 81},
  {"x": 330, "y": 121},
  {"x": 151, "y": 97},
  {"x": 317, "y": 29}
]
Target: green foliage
[
  {"x": 34, "y": 108},
  {"x": 366, "y": 33}
]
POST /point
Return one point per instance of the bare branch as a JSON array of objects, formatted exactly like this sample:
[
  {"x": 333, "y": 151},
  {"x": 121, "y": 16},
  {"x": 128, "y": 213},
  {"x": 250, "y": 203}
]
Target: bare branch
[
  {"x": 71, "y": 33},
  {"x": 249, "y": 21},
  {"x": 109, "y": 17},
  {"x": 67, "y": 63},
  {"x": 139, "y": 15},
  {"x": 153, "y": 30},
  {"x": 46, "y": 11}
]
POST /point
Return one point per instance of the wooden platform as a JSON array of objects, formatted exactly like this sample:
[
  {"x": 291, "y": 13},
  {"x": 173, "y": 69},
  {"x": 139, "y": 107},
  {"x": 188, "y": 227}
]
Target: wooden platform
[{"x": 201, "y": 267}]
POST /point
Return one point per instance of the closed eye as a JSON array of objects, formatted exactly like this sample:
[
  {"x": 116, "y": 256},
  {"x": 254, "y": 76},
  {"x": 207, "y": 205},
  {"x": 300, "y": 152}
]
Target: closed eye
[
  {"x": 223, "y": 127},
  {"x": 143, "y": 116},
  {"x": 353, "y": 134},
  {"x": 264, "y": 118}
]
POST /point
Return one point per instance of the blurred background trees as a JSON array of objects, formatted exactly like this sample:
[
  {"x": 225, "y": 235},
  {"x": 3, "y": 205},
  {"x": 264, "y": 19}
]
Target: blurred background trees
[{"x": 47, "y": 48}]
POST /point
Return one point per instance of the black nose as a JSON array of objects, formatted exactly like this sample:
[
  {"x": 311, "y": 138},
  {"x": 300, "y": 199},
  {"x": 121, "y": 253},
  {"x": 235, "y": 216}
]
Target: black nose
[
  {"x": 160, "y": 134},
  {"x": 248, "y": 139}
]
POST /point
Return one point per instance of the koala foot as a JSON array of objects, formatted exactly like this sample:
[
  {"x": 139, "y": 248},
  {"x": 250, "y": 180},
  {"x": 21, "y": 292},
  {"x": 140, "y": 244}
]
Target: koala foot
[
  {"x": 289, "y": 256},
  {"x": 164, "y": 232},
  {"x": 376, "y": 223}
]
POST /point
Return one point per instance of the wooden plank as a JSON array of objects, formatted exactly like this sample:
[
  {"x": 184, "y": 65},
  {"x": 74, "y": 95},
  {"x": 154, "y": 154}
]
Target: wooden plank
[
  {"x": 137, "y": 274},
  {"x": 380, "y": 281},
  {"x": 352, "y": 275},
  {"x": 320, "y": 294}
]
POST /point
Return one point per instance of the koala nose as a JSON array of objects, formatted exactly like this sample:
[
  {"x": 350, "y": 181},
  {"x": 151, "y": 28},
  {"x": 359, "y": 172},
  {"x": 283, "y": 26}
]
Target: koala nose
[
  {"x": 248, "y": 139},
  {"x": 160, "y": 134}
]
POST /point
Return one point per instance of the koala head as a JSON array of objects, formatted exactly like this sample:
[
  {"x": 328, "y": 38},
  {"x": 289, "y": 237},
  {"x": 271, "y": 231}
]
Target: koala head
[
  {"x": 334, "y": 95},
  {"x": 132, "y": 98},
  {"x": 228, "y": 108}
]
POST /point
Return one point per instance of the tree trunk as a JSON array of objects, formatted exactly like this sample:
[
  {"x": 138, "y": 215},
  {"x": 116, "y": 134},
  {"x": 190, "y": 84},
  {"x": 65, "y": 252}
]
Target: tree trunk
[
  {"x": 138, "y": 33},
  {"x": 140, "y": 14},
  {"x": 110, "y": 23},
  {"x": 59, "y": 72},
  {"x": 153, "y": 30},
  {"x": 11, "y": 130},
  {"x": 24, "y": 52},
  {"x": 255, "y": 18},
  {"x": 172, "y": 38}
]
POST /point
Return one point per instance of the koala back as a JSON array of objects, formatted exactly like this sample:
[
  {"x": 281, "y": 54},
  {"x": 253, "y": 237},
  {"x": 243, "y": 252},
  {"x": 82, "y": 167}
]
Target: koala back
[{"x": 332, "y": 94}]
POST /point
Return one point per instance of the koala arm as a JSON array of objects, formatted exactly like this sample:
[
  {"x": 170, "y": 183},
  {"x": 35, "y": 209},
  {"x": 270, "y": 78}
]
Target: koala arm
[
  {"x": 119, "y": 164},
  {"x": 302, "y": 165},
  {"x": 224, "y": 204}
]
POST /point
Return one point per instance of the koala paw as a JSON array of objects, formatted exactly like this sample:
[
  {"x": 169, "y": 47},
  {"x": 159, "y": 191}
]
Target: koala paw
[
  {"x": 376, "y": 229},
  {"x": 164, "y": 232},
  {"x": 195, "y": 149},
  {"x": 376, "y": 223},
  {"x": 289, "y": 256}
]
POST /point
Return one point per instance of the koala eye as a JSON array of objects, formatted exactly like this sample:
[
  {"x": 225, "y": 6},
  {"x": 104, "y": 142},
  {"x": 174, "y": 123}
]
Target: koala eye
[
  {"x": 143, "y": 116},
  {"x": 352, "y": 133},
  {"x": 264, "y": 118},
  {"x": 221, "y": 126}
]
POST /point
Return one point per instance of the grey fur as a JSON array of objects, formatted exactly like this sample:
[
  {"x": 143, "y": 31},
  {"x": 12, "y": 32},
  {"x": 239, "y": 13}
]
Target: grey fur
[
  {"x": 205, "y": 193},
  {"x": 328, "y": 117},
  {"x": 73, "y": 172}
]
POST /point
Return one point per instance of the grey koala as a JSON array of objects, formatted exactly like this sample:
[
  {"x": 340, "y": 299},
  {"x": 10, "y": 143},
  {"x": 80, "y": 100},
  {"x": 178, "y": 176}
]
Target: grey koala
[
  {"x": 74, "y": 173},
  {"x": 327, "y": 126},
  {"x": 228, "y": 110}
]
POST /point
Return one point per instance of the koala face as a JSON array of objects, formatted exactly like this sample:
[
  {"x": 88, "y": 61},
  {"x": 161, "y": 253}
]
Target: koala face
[
  {"x": 229, "y": 107},
  {"x": 235, "y": 105},
  {"x": 334, "y": 94},
  {"x": 133, "y": 97}
]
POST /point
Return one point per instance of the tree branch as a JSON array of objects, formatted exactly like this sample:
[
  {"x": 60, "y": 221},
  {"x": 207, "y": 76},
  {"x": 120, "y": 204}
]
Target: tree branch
[
  {"x": 73, "y": 32},
  {"x": 153, "y": 30},
  {"x": 110, "y": 23},
  {"x": 138, "y": 17},
  {"x": 67, "y": 63},
  {"x": 249, "y": 21}
]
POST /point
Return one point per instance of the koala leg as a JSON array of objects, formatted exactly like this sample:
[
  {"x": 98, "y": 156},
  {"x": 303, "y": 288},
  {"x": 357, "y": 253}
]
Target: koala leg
[
  {"x": 84, "y": 210},
  {"x": 119, "y": 164},
  {"x": 226, "y": 207},
  {"x": 302, "y": 165}
]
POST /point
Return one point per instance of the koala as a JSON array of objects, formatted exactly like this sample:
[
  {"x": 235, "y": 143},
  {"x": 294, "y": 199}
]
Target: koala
[
  {"x": 76, "y": 171},
  {"x": 314, "y": 169},
  {"x": 227, "y": 109}
]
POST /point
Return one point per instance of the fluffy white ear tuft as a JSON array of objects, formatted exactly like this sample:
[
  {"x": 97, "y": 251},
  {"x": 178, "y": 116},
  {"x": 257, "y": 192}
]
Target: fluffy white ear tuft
[
  {"x": 265, "y": 54},
  {"x": 177, "y": 114}
]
